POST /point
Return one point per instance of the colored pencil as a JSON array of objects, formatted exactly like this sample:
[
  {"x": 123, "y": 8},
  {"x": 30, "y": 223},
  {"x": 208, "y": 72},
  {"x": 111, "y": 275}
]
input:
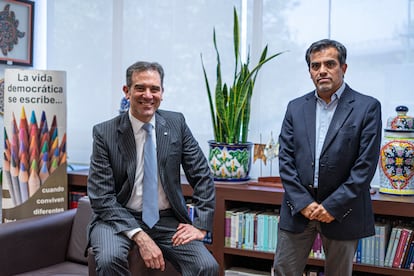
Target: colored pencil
[
  {"x": 23, "y": 120},
  {"x": 14, "y": 138},
  {"x": 42, "y": 122},
  {"x": 31, "y": 154},
  {"x": 53, "y": 132},
  {"x": 53, "y": 147},
  {"x": 43, "y": 151},
  {"x": 62, "y": 150},
  {"x": 8, "y": 179},
  {"x": 14, "y": 171},
  {"x": 44, "y": 171},
  {"x": 23, "y": 182},
  {"x": 23, "y": 145},
  {"x": 34, "y": 179}
]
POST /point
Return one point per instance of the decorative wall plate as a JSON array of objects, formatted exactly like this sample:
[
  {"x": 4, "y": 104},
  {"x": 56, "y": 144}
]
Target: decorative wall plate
[{"x": 9, "y": 34}]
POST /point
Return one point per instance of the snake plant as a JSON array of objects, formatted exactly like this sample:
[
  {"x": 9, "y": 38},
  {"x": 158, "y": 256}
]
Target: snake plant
[{"x": 230, "y": 110}]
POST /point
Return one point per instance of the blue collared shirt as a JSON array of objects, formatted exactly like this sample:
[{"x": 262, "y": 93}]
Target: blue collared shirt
[{"x": 324, "y": 114}]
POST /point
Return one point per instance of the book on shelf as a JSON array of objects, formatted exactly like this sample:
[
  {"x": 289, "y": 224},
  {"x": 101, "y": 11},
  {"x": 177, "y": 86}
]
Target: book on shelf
[
  {"x": 227, "y": 227},
  {"x": 317, "y": 248},
  {"x": 237, "y": 220},
  {"x": 357, "y": 258},
  {"x": 366, "y": 250},
  {"x": 191, "y": 213},
  {"x": 383, "y": 229},
  {"x": 393, "y": 240},
  {"x": 273, "y": 229},
  {"x": 371, "y": 250},
  {"x": 242, "y": 228},
  {"x": 260, "y": 233},
  {"x": 410, "y": 259},
  {"x": 398, "y": 246},
  {"x": 255, "y": 234},
  {"x": 320, "y": 244},
  {"x": 409, "y": 263},
  {"x": 74, "y": 197},
  {"x": 251, "y": 229},
  {"x": 401, "y": 247},
  {"x": 408, "y": 251},
  {"x": 250, "y": 225},
  {"x": 231, "y": 226},
  {"x": 267, "y": 224},
  {"x": 363, "y": 250},
  {"x": 376, "y": 251},
  {"x": 263, "y": 231}
]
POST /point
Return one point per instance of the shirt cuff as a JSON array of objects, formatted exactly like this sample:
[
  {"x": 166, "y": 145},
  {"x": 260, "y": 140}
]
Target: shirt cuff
[{"x": 132, "y": 232}]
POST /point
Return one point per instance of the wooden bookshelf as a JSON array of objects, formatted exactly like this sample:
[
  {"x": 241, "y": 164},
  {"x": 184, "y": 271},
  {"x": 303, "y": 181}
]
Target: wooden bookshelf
[
  {"x": 77, "y": 178},
  {"x": 227, "y": 195}
]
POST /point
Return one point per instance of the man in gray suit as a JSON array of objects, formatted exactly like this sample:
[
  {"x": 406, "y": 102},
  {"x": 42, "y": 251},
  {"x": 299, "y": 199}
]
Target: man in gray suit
[
  {"x": 115, "y": 185},
  {"x": 329, "y": 149}
]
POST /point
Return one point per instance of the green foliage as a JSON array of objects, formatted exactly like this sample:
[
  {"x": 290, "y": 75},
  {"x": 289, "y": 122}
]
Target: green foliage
[{"x": 230, "y": 110}]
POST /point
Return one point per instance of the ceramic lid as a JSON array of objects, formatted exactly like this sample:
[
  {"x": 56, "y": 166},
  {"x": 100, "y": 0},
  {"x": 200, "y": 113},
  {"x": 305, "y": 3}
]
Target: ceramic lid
[{"x": 402, "y": 122}]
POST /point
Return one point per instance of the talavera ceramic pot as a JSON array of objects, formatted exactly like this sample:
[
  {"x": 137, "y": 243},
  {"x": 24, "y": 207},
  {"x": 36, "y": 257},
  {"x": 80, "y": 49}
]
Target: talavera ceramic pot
[{"x": 397, "y": 155}]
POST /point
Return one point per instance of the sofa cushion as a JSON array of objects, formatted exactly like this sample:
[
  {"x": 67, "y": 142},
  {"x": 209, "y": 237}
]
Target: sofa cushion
[
  {"x": 31, "y": 243},
  {"x": 69, "y": 268},
  {"x": 78, "y": 240}
]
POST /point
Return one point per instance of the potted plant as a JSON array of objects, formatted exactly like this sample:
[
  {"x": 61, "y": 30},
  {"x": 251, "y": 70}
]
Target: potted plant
[{"x": 230, "y": 151}]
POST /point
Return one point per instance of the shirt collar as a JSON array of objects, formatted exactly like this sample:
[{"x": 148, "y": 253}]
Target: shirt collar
[
  {"x": 137, "y": 124},
  {"x": 337, "y": 95}
]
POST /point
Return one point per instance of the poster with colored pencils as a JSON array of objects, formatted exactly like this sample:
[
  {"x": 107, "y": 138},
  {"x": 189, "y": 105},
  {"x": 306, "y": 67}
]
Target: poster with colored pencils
[{"x": 34, "y": 157}]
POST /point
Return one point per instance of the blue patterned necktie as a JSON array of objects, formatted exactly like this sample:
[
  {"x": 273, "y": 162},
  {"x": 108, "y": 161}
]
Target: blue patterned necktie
[{"x": 150, "y": 214}]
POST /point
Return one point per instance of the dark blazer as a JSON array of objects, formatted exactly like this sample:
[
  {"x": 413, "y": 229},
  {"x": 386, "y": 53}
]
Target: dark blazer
[
  {"x": 348, "y": 162},
  {"x": 113, "y": 165}
]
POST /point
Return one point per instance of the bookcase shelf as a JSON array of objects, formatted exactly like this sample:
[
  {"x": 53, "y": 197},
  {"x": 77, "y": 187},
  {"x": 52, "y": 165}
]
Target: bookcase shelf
[
  {"x": 248, "y": 253},
  {"x": 228, "y": 195}
]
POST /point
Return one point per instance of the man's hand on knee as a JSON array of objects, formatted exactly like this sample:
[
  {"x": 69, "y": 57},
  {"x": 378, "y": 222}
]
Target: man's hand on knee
[
  {"x": 149, "y": 250},
  {"x": 187, "y": 233}
]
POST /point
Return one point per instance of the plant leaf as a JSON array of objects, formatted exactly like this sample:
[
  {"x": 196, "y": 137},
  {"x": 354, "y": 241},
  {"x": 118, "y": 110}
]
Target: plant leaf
[
  {"x": 231, "y": 111},
  {"x": 210, "y": 99}
]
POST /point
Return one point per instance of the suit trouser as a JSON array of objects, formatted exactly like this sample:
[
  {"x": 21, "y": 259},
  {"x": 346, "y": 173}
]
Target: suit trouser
[
  {"x": 111, "y": 249},
  {"x": 293, "y": 250}
]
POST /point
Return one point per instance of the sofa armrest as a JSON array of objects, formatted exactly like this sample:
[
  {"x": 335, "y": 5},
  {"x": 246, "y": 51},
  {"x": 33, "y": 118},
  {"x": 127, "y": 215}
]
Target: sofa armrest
[{"x": 36, "y": 242}]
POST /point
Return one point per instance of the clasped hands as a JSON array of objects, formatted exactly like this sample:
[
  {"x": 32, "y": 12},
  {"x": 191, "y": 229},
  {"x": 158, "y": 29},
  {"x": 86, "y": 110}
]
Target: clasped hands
[
  {"x": 152, "y": 254},
  {"x": 315, "y": 211}
]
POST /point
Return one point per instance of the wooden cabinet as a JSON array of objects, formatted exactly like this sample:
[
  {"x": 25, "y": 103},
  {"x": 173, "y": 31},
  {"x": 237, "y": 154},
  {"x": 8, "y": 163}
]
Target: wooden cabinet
[{"x": 230, "y": 195}]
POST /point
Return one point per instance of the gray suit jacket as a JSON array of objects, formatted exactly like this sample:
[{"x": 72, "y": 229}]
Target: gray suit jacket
[
  {"x": 113, "y": 165},
  {"x": 348, "y": 161}
]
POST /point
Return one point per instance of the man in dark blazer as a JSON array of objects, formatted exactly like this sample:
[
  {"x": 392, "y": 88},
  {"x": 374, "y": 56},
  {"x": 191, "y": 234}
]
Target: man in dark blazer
[
  {"x": 115, "y": 185},
  {"x": 329, "y": 150}
]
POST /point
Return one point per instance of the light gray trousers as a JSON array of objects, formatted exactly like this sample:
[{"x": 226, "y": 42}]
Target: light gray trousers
[{"x": 293, "y": 250}]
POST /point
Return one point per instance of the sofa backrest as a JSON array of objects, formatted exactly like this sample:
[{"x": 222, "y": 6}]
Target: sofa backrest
[{"x": 78, "y": 240}]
